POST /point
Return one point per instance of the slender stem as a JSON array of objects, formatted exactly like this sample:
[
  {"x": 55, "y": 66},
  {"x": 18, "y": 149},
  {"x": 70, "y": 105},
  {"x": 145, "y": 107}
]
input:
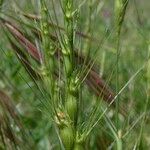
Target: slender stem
[
  {"x": 47, "y": 44},
  {"x": 87, "y": 44},
  {"x": 68, "y": 46},
  {"x": 120, "y": 9}
]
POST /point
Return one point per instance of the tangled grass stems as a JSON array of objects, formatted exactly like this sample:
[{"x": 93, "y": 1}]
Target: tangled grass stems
[
  {"x": 9, "y": 115},
  {"x": 66, "y": 130},
  {"x": 59, "y": 69},
  {"x": 55, "y": 111},
  {"x": 94, "y": 75},
  {"x": 147, "y": 99}
]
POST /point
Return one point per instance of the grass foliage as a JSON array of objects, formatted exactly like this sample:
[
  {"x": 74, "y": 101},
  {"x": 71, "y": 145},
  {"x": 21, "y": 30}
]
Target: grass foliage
[{"x": 74, "y": 74}]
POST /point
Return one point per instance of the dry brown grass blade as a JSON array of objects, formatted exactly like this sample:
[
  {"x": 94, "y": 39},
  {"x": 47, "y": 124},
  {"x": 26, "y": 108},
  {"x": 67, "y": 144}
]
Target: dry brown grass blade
[
  {"x": 8, "y": 138},
  {"x": 8, "y": 109},
  {"x": 9, "y": 116},
  {"x": 25, "y": 62},
  {"x": 100, "y": 87},
  {"x": 30, "y": 47},
  {"x": 6, "y": 103}
]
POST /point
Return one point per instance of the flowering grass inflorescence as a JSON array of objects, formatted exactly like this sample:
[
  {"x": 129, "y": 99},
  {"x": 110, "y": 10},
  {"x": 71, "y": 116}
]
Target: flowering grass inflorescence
[{"x": 59, "y": 60}]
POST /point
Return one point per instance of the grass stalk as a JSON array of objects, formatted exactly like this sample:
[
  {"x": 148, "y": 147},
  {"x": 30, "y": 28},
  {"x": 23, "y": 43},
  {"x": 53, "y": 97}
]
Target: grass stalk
[{"x": 120, "y": 9}]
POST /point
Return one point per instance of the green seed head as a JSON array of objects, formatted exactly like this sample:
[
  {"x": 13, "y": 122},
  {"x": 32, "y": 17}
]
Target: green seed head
[
  {"x": 68, "y": 15},
  {"x": 67, "y": 137},
  {"x": 71, "y": 107},
  {"x": 78, "y": 147}
]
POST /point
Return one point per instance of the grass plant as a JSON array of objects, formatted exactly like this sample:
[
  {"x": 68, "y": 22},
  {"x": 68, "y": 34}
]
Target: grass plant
[{"x": 67, "y": 77}]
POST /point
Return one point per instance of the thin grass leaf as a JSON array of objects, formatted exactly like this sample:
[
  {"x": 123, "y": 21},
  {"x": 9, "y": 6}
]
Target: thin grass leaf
[{"x": 25, "y": 62}]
